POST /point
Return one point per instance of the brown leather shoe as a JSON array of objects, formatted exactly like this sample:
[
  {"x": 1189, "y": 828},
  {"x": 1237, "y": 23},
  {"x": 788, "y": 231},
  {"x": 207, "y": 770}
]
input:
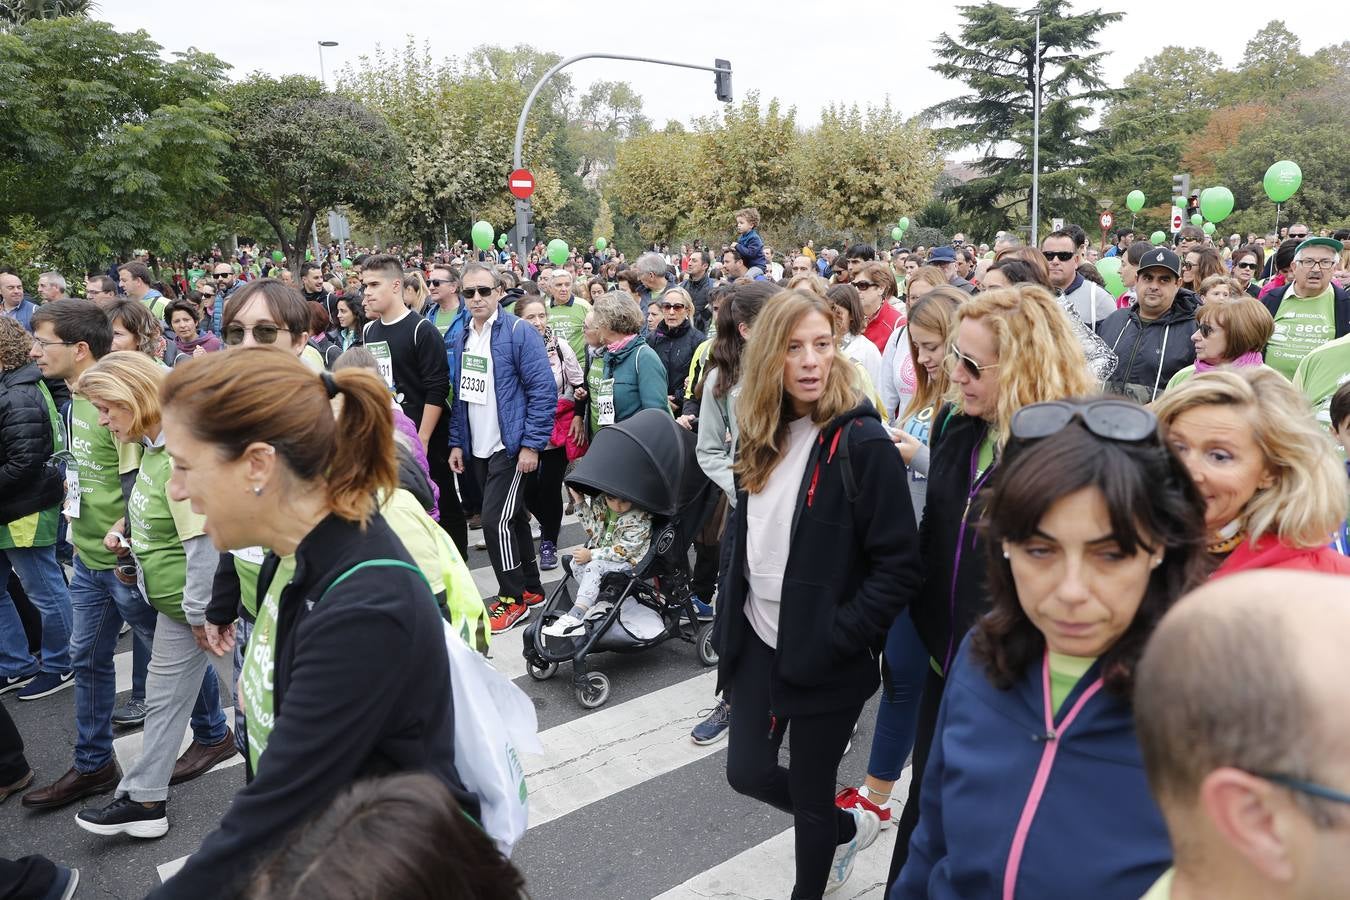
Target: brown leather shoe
[
  {"x": 199, "y": 758},
  {"x": 73, "y": 786},
  {"x": 7, "y": 789}
]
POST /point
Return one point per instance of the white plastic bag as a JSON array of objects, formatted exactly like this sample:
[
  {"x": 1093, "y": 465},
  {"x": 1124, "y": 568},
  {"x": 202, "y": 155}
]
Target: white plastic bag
[{"x": 494, "y": 724}]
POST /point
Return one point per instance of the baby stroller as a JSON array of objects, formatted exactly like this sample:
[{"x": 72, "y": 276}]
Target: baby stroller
[{"x": 648, "y": 460}]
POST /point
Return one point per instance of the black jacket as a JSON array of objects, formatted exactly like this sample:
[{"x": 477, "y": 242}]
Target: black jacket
[
  {"x": 1341, "y": 300},
  {"x": 676, "y": 349},
  {"x": 853, "y": 565},
  {"x": 27, "y": 483},
  {"x": 361, "y": 690},
  {"x": 1149, "y": 353},
  {"x": 700, "y": 292},
  {"x": 953, "y": 593}
]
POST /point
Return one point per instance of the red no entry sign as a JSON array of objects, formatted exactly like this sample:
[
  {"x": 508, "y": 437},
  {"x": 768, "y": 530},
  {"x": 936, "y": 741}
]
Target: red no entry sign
[
  {"x": 520, "y": 183},
  {"x": 1107, "y": 220}
]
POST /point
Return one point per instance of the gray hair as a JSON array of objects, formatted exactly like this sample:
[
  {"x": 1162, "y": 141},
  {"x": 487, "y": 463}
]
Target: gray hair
[
  {"x": 618, "y": 312},
  {"x": 55, "y": 278},
  {"x": 479, "y": 267},
  {"x": 650, "y": 264}
]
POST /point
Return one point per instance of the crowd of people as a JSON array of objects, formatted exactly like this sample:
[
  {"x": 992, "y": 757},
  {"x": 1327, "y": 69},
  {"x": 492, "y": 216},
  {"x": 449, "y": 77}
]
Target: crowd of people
[{"x": 1027, "y": 510}]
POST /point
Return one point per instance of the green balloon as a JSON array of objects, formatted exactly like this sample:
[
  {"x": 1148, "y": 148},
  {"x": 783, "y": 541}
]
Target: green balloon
[
  {"x": 1134, "y": 201},
  {"x": 1209, "y": 227},
  {"x": 1282, "y": 180},
  {"x": 346, "y": 264},
  {"x": 1197, "y": 219},
  {"x": 278, "y": 256},
  {"x": 482, "y": 235},
  {"x": 309, "y": 255},
  {"x": 1157, "y": 238},
  {"x": 904, "y": 223},
  {"x": 897, "y": 233},
  {"x": 1216, "y": 203},
  {"x": 557, "y": 251},
  {"x": 601, "y": 244},
  {"x": 501, "y": 242},
  {"x": 1109, "y": 268}
]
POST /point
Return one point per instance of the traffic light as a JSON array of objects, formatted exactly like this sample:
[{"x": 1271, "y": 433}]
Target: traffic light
[
  {"x": 1181, "y": 187},
  {"x": 723, "y": 80}
]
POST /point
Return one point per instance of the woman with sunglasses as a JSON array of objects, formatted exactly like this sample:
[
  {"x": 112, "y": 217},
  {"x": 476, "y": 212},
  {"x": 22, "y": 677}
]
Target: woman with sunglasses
[
  {"x": 875, "y": 284},
  {"x": 1228, "y": 333},
  {"x": 675, "y": 339},
  {"x": 1246, "y": 263},
  {"x": 1035, "y": 786},
  {"x": 1014, "y": 346},
  {"x": 1273, "y": 484},
  {"x": 1198, "y": 264},
  {"x": 821, "y": 560},
  {"x": 265, "y": 311}
]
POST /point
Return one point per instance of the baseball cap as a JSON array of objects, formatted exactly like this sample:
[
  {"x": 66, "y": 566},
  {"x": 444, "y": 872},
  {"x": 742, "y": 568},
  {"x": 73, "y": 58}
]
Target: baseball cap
[
  {"x": 942, "y": 255},
  {"x": 1161, "y": 258},
  {"x": 1322, "y": 242}
]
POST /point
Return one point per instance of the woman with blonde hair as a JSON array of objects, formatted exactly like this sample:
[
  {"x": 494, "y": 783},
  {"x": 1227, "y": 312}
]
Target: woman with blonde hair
[
  {"x": 675, "y": 339},
  {"x": 174, "y": 564},
  {"x": 821, "y": 561},
  {"x": 1012, "y": 346},
  {"x": 415, "y": 291},
  {"x": 1273, "y": 484}
]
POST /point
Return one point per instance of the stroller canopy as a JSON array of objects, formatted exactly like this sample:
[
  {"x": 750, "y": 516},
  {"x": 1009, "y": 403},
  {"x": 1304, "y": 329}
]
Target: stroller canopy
[{"x": 642, "y": 459}]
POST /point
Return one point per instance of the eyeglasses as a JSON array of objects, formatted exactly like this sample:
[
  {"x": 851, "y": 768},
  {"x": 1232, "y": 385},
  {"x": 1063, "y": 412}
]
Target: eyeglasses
[
  {"x": 1316, "y": 263},
  {"x": 1311, "y": 788},
  {"x": 1114, "y": 420},
  {"x": 862, "y": 285},
  {"x": 1061, "y": 255},
  {"x": 1245, "y": 265},
  {"x": 223, "y": 275},
  {"x": 484, "y": 292},
  {"x": 955, "y": 357},
  {"x": 263, "y": 333},
  {"x": 669, "y": 306},
  {"x": 1206, "y": 330},
  {"x": 437, "y": 282},
  {"x": 45, "y": 344}
]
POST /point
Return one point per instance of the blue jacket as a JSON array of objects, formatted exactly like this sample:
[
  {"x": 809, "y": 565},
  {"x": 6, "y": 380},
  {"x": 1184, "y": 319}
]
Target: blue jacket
[
  {"x": 639, "y": 379},
  {"x": 23, "y": 314},
  {"x": 527, "y": 396},
  {"x": 1096, "y": 831},
  {"x": 752, "y": 247},
  {"x": 454, "y": 340}
]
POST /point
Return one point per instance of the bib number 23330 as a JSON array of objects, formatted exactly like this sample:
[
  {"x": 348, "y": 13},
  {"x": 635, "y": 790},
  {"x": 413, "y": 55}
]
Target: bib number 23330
[{"x": 473, "y": 379}]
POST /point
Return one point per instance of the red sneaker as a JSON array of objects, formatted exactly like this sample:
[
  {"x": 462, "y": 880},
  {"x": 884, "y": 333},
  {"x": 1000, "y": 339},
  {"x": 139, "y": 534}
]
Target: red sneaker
[
  {"x": 853, "y": 798},
  {"x": 506, "y": 614},
  {"x": 533, "y": 599}
]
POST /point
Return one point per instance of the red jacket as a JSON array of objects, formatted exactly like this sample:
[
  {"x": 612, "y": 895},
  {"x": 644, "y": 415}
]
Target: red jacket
[
  {"x": 878, "y": 331},
  {"x": 1269, "y": 553}
]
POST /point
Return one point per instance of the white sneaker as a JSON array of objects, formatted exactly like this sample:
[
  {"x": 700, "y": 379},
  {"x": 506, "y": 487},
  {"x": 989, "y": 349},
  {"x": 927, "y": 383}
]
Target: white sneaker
[
  {"x": 845, "y": 854},
  {"x": 563, "y": 626},
  {"x": 534, "y": 529}
]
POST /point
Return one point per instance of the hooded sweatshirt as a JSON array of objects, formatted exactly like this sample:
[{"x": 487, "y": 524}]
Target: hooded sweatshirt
[{"x": 1149, "y": 352}]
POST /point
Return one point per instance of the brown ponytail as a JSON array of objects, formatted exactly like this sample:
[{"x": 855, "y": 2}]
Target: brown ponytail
[{"x": 264, "y": 394}]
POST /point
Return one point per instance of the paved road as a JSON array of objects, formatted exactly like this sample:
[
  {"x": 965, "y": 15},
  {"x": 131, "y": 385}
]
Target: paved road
[{"x": 623, "y": 804}]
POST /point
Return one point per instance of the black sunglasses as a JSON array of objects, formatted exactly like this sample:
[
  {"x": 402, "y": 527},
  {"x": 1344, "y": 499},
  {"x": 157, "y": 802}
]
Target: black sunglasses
[
  {"x": 1245, "y": 265},
  {"x": 956, "y": 357},
  {"x": 1298, "y": 237},
  {"x": 467, "y": 293},
  {"x": 672, "y": 306},
  {"x": 263, "y": 333},
  {"x": 437, "y": 282},
  {"x": 862, "y": 285},
  {"x": 1061, "y": 255},
  {"x": 223, "y": 275},
  {"x": 1114, "y": 420},
  {"x": 1205, "y": 330}
]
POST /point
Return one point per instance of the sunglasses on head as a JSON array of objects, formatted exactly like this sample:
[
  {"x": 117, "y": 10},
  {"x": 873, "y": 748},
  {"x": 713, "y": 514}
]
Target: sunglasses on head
[
  {"x": 1061, "y": 255},
  {"x": 1114, "y": 420},
  {"x": 485, "y": 292},
  {"x": 263, "y": 333}
]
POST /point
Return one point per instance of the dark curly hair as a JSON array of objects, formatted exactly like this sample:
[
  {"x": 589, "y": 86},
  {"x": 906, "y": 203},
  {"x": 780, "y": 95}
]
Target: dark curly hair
[
  {"x": 15, "y": 343},
  {"x": 1152, "y": 504}
]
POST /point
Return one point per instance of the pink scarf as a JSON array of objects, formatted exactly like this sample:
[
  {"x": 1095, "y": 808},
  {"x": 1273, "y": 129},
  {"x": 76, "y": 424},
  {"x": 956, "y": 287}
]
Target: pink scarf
[
  {"x": 1251, "y": 358},
  {"x": 620, "y": 344}
]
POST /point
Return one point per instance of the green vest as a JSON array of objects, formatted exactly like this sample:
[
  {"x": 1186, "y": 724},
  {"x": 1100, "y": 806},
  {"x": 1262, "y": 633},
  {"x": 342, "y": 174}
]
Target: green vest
[
  {"x": 158, "y": 528},
  {"x": 98, "y": 465}
]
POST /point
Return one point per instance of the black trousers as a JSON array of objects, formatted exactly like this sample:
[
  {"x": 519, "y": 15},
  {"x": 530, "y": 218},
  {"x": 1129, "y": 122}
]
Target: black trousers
[
  {"x": 506, "y": 525},
  {"x": 453, "y": 520},
  {"x": 26, "y": 879},
  {"x": 806, "y": 788},
  {"x": 929, "y": 705},
  {"x": 13, "y": 764},
  {"x": 543, "y": 492}
]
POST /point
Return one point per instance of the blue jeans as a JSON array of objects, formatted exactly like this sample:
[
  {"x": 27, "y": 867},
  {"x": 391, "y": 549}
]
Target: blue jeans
[
  {"x": 904, "y": 665},
  {"x": 101, "y": 603},
  {"x": 43, "y": 581}
]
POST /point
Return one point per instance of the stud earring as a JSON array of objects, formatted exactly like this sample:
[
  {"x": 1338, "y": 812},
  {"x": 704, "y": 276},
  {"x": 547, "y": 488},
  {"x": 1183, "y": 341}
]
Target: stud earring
[
  {"x": 257, "y": 491},
  {"x": 1006, "y": 554}
]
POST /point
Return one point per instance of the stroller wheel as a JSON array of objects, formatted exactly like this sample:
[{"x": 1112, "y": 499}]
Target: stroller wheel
[
  {"x": 593, "y": 691},
  {"x": 707, "y": 654},
  {"x": 540, "y": 670}
]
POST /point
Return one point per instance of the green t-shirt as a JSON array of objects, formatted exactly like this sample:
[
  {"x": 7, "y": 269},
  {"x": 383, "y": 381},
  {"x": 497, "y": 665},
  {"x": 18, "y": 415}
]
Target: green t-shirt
[
  {"x": 595, "y": 380},
  {"x": 1301, "y": 326},
  {"x": 442, "y": 319},
  {"x": 94, "y": 500},
  {"x": 158, "y": 528},
  {"x": 1065, "y": 672},
  {"x": 1182, "y": 376},
  {"x": 1321, "y": 372},
  {"x": 569, "y": 324}
]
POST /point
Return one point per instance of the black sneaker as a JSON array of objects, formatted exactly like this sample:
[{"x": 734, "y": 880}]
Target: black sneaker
[
  {"x": 13, "y": 684},
  {"x": 130, "y": 713},
  {"x": 46, "y": 684},
  {"x": 126, "y": 816}
]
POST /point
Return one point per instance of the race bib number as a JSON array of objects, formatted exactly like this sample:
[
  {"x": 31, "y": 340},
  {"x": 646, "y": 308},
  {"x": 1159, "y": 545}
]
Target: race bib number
[
  {"x": 383, "y": 361},
  {"x": 473, "y": 379},
  {"x": 72, "y": 504},
  {"x": 604, "y": 402},
  {"x": 251, "y": 555}
]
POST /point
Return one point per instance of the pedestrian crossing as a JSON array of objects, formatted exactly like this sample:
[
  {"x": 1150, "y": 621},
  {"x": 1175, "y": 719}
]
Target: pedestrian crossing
[{"x": 618, "y": 794}]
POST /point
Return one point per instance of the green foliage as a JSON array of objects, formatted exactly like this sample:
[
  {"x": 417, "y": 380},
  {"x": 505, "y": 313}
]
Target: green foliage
[
  {"x": 651, "y": 182},
  {"x": 21, "y": 12},
  {"x": 105, "y": 144},
  {"x": 29, "y": 250}
]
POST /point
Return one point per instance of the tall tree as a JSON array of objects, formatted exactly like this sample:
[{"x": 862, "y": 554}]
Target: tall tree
[
  {"x": 20, "y": 12},
  {"x": 1273, "y": 65},
  {"x": 994, "y": 55},
  {"x": 298, "y": 150},
  {"x": 653, "y": 182}
]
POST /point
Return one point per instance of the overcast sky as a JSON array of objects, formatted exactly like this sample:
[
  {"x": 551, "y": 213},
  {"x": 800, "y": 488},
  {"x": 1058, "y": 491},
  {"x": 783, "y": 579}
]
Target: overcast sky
[{"x": 808, "y": 54}]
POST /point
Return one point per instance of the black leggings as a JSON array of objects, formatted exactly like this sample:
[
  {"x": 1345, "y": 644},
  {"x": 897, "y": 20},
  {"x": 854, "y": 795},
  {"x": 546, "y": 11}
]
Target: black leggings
[
  {"x": 453, "y": 520},
  {"x": 543, "y": 492},
  {"x": 930, "y": 702},
  {"x": 806, "y": 788}
]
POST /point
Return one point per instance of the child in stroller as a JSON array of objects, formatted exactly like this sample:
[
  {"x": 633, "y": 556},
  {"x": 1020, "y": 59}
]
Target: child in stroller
[{"x": 620, "y": 535}]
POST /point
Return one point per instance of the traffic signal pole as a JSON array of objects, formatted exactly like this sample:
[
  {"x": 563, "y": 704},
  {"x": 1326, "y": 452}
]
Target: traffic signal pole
[{"x": 721, "y": 67}]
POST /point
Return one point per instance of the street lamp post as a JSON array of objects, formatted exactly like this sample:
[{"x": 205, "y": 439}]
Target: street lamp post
[
  {"x": 322, "y": 77},
  {"x": 1036, "y": 139}
]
